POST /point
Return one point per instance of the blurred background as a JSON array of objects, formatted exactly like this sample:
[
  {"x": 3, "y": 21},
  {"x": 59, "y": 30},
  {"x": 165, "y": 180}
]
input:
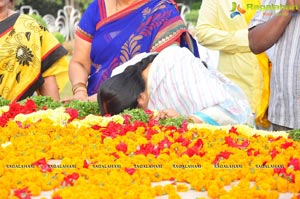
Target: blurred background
[{"x": 52, "y": 6}]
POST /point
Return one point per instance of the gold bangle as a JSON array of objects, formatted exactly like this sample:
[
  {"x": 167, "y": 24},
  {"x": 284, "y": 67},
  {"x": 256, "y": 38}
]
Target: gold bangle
[
  {"x": 79, "y": 90},
  {"x": 78, "y": 85}
]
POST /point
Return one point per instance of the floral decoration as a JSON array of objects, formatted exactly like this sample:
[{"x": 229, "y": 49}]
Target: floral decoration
[{"x": 90, "y": 156}]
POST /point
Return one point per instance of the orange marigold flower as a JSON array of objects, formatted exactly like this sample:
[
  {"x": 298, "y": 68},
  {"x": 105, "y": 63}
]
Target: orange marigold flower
[{"x": 182, "y": 188}]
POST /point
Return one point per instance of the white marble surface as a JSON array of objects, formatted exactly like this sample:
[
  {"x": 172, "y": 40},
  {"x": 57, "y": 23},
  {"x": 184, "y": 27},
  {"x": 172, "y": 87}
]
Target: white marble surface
[{"x": 191, "y": 194}]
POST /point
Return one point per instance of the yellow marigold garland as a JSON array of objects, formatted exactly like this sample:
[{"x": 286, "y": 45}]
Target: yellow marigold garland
[{"x": 76, "y": 160}]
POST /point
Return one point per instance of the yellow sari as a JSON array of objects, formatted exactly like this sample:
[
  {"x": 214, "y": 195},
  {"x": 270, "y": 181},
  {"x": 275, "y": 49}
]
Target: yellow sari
[
  {"x": 28, "y": 53},
  {"x": 261, "y": 118}
]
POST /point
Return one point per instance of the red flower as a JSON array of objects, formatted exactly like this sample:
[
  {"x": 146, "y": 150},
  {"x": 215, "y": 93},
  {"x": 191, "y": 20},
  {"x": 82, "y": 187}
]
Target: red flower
[
  {"x": 282, "y": 173},
  {"x": 57, "y": 197},
  {"x": 150, "y": 132},
  {"x": 86, "y": 164},
  {"x": 172, "y": 179},
  {"x": 195, "y": 149},
  {"x": 148, "y": 148},
  {"x": 153, "y": 122},
  {"x": 184, "y": 125},
  {"x": 22, "y": 193},
  {"x": 165, "y": 143},
  {"x": 111, "y": 130},
  {"x": 232, "y": 143},
  {"x": 69, "y": 180},
  {"x": 137, "y": 124},
  {"x": 127, "y": 118},
  {"x": 15, "y": 109},
  {"x": 150, "y": 113},
  {"x": 29, "y": 106},
  {"x": 295, "y": 163},
  {"x": 286, "y": 145},
  {"x": 222, "y": 155},
  {"x": 115, "y": 155},
  {"x": 271, "y": 139},
  {"x": 96, "y": 127},
  {"x": 191, "y": 152},
  {"x": 130, "y": 171},
  {"x": 252, "y": 151},
  {"x": 114, "y": 129},
  {"x": 273, "y": 153},
  {"x": 42, "y": 163},
  {"x": 44, "y": 107},
  {"x": 183, "y": 141},
  {"x": 122, "y": 147},
  {"x": 73, "y": 113},
  {"x": 233, "y": 130}
]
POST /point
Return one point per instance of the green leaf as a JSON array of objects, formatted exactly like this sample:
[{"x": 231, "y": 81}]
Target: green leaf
[
  {"x": 177, "y": 122},
  {"x": 84, "y": 108},
  {"x": 136, "y": 114},
  {"x": 294, "y": 134},
  {"x": 4, "y": 102}
]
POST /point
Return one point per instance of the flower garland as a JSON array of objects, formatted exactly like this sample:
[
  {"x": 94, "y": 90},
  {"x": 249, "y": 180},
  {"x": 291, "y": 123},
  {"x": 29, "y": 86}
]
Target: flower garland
[{"x": 117, "y": 157}]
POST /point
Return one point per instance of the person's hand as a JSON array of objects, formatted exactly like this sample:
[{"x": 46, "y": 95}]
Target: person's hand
[
  {"x": 295, "y": 3},
  {"x": 81, "y": 96},
  {"x": 167, "y": 113},
  {"x": 79, "y": 93},
  {"x": 289, "y": 13}
]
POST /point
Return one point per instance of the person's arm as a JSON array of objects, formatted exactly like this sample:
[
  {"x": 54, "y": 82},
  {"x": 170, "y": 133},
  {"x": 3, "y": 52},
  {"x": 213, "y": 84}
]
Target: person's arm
[
  {"x": 50, "y": 88},
  {"x": 79, "y": 68},
  {"x": 263, "y": 36},
  {"x": 171, "y": 113},
  {"x": 210, "y": 35},
  {"x": 167, "y": 113}
]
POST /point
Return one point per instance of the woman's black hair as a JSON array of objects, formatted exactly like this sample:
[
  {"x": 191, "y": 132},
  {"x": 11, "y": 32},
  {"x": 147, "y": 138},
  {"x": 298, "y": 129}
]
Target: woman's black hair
[{"x": 121, "y": 91}]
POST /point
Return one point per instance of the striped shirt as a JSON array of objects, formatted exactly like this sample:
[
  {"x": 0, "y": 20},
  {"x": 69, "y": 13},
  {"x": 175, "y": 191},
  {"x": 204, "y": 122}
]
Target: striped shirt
[
  {"x": 179, "y": 81},
  {"x": 284, "y": 107}
]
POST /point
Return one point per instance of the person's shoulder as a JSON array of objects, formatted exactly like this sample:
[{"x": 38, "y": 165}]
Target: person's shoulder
[{"x": 27, "y": 18}]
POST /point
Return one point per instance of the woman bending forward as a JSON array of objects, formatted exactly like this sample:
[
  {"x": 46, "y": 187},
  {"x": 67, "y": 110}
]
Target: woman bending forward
[{"x": 177, "y": 81}]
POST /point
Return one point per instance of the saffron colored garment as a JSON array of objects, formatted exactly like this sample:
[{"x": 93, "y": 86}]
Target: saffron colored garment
[
  {"x": 179, "y": 80},
  {"x": 146, "y": 26},
  {"x": 28, "y": 53},
  {"x": 223, "y": 25}
]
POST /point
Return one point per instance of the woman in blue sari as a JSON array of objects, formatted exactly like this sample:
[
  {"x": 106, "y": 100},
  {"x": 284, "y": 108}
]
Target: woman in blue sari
[{"x": 111, "y": 32}]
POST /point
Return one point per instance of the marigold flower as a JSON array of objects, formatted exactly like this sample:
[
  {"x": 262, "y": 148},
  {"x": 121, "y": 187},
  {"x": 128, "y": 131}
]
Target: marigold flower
[
  {"x": 169, "y": 188},
  {"x": 182, "y": 188},
  {"x": 158, "y": 189},
  {"x": 107, "y": 152},
  {"x": 174, "y": 195}
]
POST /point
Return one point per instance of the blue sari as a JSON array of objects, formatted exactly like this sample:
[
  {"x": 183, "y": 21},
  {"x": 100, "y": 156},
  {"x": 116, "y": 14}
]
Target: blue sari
[{"x": 146, "y": 26}]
